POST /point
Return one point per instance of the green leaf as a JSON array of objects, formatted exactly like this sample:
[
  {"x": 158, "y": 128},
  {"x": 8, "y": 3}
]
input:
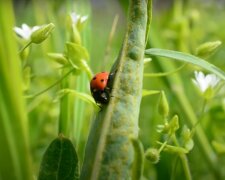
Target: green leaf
[
  {"x": 60, "y": 161},
  {"x": 149, "y": 19},
  {"x": 76, "y": 53},
  {"x": 58, "y": 57},
  {"x": 186, "y": 58},
  {"x": 80, "y": 95},
  {"x": 146, "y": 92}
]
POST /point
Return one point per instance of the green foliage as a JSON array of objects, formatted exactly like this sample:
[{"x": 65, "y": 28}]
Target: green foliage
[
  {"x": 44, "y": 89},
  {"x": 14, "y": 152},
  {"x": 60, "y": 161},
  {"x": 187, "y": 58}
]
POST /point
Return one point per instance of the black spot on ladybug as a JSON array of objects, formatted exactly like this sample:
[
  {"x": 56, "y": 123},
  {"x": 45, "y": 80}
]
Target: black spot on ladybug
[
  {"x": 102, "y": 80},
  {"x": 94, "y": 78}
]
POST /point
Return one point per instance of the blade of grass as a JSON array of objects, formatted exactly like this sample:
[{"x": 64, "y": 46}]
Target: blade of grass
[
  {"x": 14, "y": 152},
  {"x": 184, "y": 57}
]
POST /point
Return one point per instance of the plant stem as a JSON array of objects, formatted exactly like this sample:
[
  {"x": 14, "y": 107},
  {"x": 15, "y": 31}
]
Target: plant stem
[
  {"x": 186, "y": 168},
  {"x": 184, "y": 160},
  {"x": 184, "y": 103},
  {"x": 65, "y": 108},
  {"x": 51, "y": 86},
  {"x": 28, "y": 44}
]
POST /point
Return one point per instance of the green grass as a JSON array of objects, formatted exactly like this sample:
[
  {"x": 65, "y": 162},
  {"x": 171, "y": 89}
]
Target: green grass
[{"x": 43, "y": 95}]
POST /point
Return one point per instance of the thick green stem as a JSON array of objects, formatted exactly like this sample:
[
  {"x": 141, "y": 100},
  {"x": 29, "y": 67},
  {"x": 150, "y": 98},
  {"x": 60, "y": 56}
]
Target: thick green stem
[{"x": 109, "y": 152}]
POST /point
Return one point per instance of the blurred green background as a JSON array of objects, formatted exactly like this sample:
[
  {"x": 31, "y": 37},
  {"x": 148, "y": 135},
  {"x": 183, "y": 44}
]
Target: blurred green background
[{"x": 176, "y": 25}]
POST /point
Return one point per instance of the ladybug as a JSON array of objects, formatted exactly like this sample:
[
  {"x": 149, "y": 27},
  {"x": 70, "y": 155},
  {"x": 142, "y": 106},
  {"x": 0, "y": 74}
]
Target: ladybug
[{"x": 100, "y": 87}]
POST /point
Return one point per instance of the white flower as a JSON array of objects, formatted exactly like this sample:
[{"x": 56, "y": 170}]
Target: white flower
[
  {"x": 203, "y": 82},
  {"x": 77, "y": 18},
  {"x": 25, "y": 31}
]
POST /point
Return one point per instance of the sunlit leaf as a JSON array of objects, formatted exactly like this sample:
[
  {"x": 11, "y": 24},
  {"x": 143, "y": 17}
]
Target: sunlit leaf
[
  {"x": 76, "y": 52},
  {"x": 184, "y": 57},
  {"x": 58, "y": 57},
  {"x": 86, "y": 97},
  {"x": 146, "y": 92}
]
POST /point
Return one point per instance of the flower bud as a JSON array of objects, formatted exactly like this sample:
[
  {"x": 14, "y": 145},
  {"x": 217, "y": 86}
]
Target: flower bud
[
  {"x": 174, "y": 124},
  {"x": 207, "y": 49},
  {"x": 42, "y": 33},
  {"x": 152, "y": 155},
  {"x": 163, "y": 106}
]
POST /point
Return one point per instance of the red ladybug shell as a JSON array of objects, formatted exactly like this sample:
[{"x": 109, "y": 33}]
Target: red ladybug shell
[{"x": 99, "y": 81}]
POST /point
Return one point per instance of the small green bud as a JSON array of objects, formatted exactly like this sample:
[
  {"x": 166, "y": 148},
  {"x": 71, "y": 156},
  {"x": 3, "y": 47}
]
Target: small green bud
[
  {"x": 174, "y": 124},
  {"x": 163, "y": 106},
  {"x": 207, "y": 49},
  {"x": 152, "y": 155},
  {"x": 163, "y": 128},
  {"x": 186, "y": 138},
  {"x": 42, "y": 33}
]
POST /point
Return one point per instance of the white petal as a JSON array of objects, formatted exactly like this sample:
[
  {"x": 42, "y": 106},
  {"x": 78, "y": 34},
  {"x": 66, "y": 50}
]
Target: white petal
[
  {"x": 74, "y": 17},
  {"x": 35, "y": 28},
  {"x": 83, "y": 19},
  {"x": 21, "y": 33}
]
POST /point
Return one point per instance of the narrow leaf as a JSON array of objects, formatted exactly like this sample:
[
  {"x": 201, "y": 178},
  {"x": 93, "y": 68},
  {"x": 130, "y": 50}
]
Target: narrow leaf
[
  {"x": 146, "y": 92},
  {"x": 89, "y": 99},
  {"x": 186, "y": 58}
]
